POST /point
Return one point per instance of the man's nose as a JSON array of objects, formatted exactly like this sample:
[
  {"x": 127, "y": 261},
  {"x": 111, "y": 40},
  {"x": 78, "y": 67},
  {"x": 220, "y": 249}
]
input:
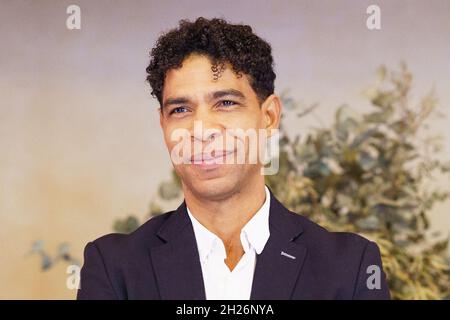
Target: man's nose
[{"x": 206, "y": 126}]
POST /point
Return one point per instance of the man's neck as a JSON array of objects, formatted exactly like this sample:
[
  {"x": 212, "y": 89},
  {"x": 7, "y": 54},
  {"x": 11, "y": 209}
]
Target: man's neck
[{"x": 226, "y": 217}]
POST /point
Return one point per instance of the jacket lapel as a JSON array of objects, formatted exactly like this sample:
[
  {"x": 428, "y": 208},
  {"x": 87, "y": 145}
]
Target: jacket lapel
[
  {"x": 279, "y": 264},
  {"x": 176, "y": 262}
]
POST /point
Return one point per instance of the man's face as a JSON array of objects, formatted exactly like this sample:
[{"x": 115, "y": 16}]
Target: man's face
[{"x": 191, "y": 97}]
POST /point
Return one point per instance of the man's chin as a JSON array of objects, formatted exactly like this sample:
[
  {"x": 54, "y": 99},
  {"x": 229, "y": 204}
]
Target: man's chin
[
  {"x": 214, "y": 183},
  {"x": 205, "y": 172},
  {"x": 214, "y": 188}
]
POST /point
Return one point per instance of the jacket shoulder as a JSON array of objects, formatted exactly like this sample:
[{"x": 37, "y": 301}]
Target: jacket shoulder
[
  {"x": 342, "y": 262},
  {"x": 144, "y": 236},
  {"x": 320, "y": 239}
]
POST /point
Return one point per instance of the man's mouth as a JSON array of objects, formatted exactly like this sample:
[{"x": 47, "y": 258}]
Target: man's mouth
[{"x": 214, "y": 157}]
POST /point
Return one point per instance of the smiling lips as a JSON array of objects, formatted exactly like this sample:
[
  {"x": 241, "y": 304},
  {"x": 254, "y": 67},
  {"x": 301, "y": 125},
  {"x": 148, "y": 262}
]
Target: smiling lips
[{"x": 212, "y": 159}]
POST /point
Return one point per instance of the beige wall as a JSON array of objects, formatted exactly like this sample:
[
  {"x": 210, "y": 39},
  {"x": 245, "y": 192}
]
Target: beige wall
[{"x": 79, "y": 137}]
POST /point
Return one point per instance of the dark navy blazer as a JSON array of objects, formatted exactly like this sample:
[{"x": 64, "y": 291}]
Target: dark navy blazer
[{"x": 160, "y": 260}]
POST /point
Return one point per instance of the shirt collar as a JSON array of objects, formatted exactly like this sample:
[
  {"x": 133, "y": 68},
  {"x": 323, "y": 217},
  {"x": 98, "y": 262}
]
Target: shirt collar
[
  {"x": 254, "y": 234},
  {"x": 257, "y": 229}
]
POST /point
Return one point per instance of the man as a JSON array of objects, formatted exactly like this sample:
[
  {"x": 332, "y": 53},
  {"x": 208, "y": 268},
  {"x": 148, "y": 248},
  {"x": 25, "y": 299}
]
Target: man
[{"x": 230, "y": 238}]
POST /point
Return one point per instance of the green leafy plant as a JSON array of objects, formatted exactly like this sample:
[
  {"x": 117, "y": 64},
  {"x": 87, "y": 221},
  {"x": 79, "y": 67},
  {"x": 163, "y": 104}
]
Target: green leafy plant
[
  {"x": 368, "y": 174},
  {"x": 49, "y": 260}
]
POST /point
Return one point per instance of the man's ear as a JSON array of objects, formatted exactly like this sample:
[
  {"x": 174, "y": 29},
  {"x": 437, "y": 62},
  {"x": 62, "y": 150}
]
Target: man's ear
[{"x": 271, "y": 109}]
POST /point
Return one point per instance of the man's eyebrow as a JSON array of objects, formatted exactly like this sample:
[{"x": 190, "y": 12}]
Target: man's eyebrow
[
  {"x": 210, "y": 96},
  {"x": 177, "y": 100},
  {"x": 228, "y": 92}
]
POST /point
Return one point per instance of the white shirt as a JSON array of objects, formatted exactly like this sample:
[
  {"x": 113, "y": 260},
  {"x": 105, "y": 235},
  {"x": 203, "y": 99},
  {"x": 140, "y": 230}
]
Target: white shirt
[{"x": 221, "y": 283}]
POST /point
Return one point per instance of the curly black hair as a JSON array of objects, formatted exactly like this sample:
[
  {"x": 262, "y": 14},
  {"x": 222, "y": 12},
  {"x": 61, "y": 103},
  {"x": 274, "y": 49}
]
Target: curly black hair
[{"x": 220, "y": 41}]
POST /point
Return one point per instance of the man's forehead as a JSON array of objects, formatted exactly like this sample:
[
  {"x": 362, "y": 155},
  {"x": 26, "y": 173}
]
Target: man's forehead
[{"x": 195, "y": 78}]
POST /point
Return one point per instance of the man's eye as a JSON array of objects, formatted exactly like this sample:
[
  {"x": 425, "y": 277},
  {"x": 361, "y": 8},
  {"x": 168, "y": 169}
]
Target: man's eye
[
  {"x": 227, "y": 103},
  {"x": 178, "y": 110}
]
